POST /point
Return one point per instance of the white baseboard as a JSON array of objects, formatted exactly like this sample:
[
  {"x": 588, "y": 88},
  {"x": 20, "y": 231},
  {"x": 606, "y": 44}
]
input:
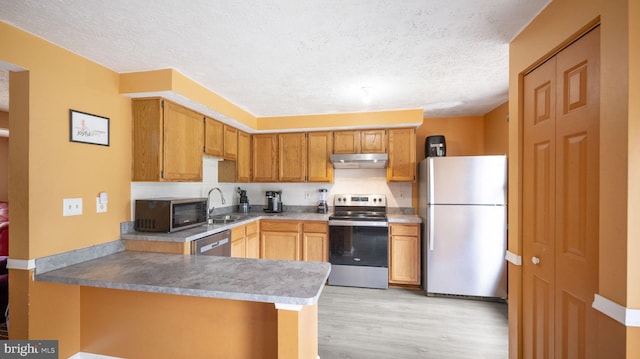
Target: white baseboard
[
  {"x": 82, "y": 355},
  {"x": 627, "y": 316}
]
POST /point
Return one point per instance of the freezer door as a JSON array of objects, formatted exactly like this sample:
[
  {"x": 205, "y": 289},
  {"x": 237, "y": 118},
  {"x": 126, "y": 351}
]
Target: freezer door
[
  {"x": 465, "y": 250},
  {"x": 467, "y": 180}
]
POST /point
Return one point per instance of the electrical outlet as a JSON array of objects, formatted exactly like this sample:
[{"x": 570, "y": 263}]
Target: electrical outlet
[
  {"x": 401, "y": 194},
  {"x": 100, "y": 207},
  {"x": 72, "y": 207},
  {"x": 307, "y": 194}
]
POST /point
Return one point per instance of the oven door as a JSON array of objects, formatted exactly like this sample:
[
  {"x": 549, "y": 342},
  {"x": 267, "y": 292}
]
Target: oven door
[{"x": 359, "y": 243}]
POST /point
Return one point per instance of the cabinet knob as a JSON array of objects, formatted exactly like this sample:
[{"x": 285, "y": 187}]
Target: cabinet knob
[{"x": 535, "y": 260}]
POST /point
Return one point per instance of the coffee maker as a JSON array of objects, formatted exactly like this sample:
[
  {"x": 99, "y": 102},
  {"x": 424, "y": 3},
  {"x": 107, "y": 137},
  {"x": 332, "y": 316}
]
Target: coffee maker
[
  {"x": 322, "y": 201},
  {"x": 274, "y": 202},
  {"x": 243, "y": 205}
]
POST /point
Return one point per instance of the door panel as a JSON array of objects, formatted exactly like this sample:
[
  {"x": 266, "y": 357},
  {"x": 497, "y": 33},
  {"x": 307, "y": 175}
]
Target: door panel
[
  {"x": 560, "y": 203},
  {"x": 539, "y": 211},
  {"x": 577, "y": 136}
]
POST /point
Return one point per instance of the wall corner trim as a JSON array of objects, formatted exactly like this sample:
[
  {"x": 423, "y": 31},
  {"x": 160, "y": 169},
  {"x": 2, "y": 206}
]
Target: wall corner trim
[
  {"x": 627, "y": 316},
  {"x": 22, "y": 264},
  {"x": 513, "y": 258},
  {"x": 291, "y": 307}
]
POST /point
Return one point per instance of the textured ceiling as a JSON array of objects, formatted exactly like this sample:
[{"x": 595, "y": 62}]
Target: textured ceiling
[{"x": 296, "y": 57}]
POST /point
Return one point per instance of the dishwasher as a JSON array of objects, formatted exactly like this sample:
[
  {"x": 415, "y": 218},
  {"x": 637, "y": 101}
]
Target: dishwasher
[{"x": 218, "y": 244}]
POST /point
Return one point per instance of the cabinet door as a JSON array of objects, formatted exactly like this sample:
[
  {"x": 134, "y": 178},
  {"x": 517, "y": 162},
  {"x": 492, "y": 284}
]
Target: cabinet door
[
  {"x": 183, "y": 143},
  {"x": 238, "y": 245},
  {"x": 230, "y": 143},
  {"x": 373, "y": 141},
  {"x": 402, "y": 155},
  {"x": 213, "y": 137},
  {"x": 319, "y": 146},
  {"x": 292, "y": 157},
  {"x": 315, "y": 247},
  {"x": 252, "y": 249},
  {"x": 147, "y": 139},
  {"x": 265, "y": 157},
  {"x": 280, "y": 245},
  {"x": 243, "y": 162},
  {"x": 346, "y": 142},
  {"x": 404, "y": 254},
  {"x": 315, "y": 241}
]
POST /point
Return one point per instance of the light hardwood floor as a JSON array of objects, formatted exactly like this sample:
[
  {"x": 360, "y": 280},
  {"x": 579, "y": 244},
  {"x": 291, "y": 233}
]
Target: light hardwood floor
[{"x": 399, "y": 323}]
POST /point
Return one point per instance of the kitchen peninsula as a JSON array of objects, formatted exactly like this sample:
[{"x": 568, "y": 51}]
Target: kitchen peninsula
[{"x": 156, "y": 305}]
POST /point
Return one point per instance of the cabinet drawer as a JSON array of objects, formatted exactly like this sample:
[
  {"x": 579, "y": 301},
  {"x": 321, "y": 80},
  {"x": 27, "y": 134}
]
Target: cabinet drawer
[
  {"x": 252, "y": 228},
  {"x": 315, "y": 227},
  {"x": 404, "y": 229},
  {"x": 280, "y": 226},
  {"x": 237, "y": 233}
]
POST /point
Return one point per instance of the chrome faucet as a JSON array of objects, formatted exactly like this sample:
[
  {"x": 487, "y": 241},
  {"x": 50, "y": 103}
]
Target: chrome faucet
[{"x": 209, "y": 209}]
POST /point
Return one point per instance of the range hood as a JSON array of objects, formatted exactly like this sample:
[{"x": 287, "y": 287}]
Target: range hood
[{"x": 360, "y": 160}]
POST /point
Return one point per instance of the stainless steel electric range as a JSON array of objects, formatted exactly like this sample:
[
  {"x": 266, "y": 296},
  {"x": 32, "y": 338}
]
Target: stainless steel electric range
[{"x": 359, "y": 241}]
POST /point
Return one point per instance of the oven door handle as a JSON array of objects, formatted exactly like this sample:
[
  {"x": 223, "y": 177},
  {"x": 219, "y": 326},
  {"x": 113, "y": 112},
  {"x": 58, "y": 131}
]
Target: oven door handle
[{"x": 359, "y": 223}]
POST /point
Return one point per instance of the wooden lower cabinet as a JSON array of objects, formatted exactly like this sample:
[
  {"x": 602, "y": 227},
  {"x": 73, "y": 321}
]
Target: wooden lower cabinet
[
  {"x": 280, "y": 239},
  {"x": 404, "y": 254},
  {"x": 315, "y": 241},
  {"x": 244, "y": 241},
  {"x": 294, "y": 240}
]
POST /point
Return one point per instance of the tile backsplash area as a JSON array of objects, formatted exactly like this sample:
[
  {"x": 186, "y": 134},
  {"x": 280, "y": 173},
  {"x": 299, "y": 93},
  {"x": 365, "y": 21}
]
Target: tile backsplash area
[{"x": 362, "y": 181}]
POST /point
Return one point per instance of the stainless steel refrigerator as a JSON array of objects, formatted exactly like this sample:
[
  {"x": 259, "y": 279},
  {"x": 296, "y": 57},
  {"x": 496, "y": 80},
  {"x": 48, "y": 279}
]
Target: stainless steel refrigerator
[{"x": 462, "y": 203}]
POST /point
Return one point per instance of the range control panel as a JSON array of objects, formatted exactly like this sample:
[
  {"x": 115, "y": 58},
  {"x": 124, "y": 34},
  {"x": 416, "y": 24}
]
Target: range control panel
[{"x": 365, "y": 200}]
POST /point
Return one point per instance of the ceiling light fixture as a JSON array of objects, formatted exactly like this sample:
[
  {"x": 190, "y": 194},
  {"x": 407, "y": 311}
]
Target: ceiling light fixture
[{"x": 366, "y": 98}]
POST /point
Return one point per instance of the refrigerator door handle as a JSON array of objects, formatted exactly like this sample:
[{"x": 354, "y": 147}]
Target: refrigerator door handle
[{"x": 431, "y": 227}]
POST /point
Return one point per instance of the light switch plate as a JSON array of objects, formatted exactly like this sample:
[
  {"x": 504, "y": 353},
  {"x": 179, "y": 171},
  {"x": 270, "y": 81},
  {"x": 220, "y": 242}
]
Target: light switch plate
[
  {"x": 100, "y": 207},
  {"x": 72, "y": 207}
]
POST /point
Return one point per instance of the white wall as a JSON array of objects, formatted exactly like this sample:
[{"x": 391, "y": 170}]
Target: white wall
[{"x": 368, "y": 181}]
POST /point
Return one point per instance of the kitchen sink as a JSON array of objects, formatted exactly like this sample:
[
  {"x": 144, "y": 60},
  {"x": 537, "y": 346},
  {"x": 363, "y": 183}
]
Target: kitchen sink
[{"x": 228, "y": 218}]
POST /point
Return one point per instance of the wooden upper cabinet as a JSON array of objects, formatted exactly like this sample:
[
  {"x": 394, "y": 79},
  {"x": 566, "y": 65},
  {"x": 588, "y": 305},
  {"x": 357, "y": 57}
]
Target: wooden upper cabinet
[
  {"x": 264, "y": 149},
  {"x": 402, "y": 155},
  {"x": 346, "y": 142},
  {"x": 373, "y": 141},
  {"x": 319, "y": 147},
  {"x": 230, "y": 143},
  {"x": 360, "y": 141},
  {"x": 220, "y": 140},
  {"x": 213, "y": 137},
  {"x": 167, "y": 141},
  {"x": 243, "y": 161},
  {"x": 292, "y": 157}
]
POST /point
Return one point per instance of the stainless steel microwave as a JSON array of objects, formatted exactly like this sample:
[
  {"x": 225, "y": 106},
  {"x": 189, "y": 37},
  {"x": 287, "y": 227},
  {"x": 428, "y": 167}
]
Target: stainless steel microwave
[{"x": 169, "y": 214}]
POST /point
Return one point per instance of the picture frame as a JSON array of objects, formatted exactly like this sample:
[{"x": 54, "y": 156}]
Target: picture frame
[{"x": 87, "y": 128}]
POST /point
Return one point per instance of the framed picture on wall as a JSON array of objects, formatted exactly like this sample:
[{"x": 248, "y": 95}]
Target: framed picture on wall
[{"x": 87, "y": 128}]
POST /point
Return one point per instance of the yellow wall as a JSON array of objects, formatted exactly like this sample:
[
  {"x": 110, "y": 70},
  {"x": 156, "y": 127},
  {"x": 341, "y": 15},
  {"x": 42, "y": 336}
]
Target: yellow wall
[
  {"x": 619, "y": 273},
  {"x": 406, "y": 118},
  {"x": 496, "y": 131},
  {"x": 464, "y": 135},
  {"x": 4, "y": 158},
  {"x": 46, "y": 167},
  {"x": 170, "y": 80}
]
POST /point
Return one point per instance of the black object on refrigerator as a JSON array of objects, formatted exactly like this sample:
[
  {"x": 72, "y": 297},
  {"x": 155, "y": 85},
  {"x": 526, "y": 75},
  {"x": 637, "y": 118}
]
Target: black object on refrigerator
[{"x": 435, "y": 146}]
